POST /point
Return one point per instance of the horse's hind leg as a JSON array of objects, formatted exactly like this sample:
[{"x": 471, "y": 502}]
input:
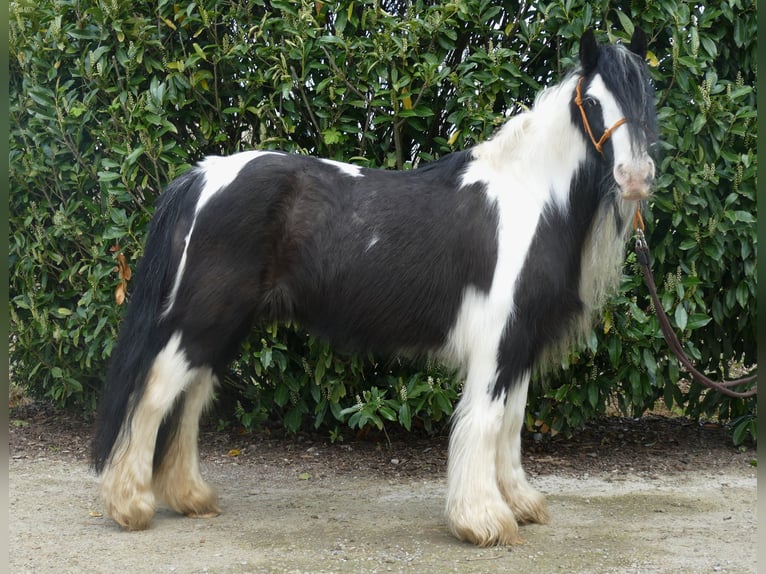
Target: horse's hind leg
[
  {"x": 177, "y": 479},
  {"x": 213, "y": 322},
  {"x": 126, "y": 483},
  {"x": 528, "y": 505}
]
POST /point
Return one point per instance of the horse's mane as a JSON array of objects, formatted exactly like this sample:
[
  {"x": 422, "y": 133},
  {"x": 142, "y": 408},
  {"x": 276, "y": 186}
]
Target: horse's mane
[{"x": 521, "y": 135}]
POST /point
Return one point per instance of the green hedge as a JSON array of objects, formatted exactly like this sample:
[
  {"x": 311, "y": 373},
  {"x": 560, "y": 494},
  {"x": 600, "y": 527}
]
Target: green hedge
[{"x": 111, "y": 100}]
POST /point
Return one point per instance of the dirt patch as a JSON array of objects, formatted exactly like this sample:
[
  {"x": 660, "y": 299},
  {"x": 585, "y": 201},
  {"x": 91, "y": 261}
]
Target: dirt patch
[{"x": 649, "y": 495}]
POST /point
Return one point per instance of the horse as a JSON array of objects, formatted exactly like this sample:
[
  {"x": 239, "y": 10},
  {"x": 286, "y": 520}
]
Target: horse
[{"x": 492, "y": 259}]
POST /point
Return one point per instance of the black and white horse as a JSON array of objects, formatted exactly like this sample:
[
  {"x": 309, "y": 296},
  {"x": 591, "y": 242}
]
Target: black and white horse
[{"x": 488, "y": 259}]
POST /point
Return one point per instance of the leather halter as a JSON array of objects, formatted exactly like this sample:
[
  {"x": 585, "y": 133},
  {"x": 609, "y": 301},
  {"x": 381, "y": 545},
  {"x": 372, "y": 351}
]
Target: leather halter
[{"x": 599, "y": 145}]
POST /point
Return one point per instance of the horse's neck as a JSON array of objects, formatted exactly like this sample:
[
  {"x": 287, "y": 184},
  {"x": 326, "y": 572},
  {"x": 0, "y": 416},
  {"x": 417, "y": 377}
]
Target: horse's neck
[{"x": 543, "y": 142}]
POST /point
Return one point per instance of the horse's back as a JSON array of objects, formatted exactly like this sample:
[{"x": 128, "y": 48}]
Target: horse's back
[{"x": 379, "y": 259}]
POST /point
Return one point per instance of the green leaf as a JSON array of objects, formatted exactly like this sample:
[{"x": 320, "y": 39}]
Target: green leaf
[
  {"x": 199, "y": 51},
  {"x": 331, "y": 136},
  {"x": 740, "y": 91},
  {"x": 697, "y": 321},
  {"x": 626, "y": 22},
  {"x": 134, "y": 155},
  {"x": 349, "y": 410},
  {"x": 107, "y": 176},
  {"x": 405, "y": 416},
  {"x": 614, "y": 346},
  {"x": 742, "y": 429},
  {"x": 319, "y": 372},
  {"x": 698, "y": 123},
  {"x": 265, "y": 357},
  {"x": 293, "y": 419},
  {"x": 687, "y": 244},
  {"x": 681, "y": 317},
  {"x": 742, "y": 294},
  {"x": 650, "y": 362},
  {"x": 418, "y": 111},
  {"x": 281, "y": 395},
  {"x": 387, "y": 413},
  {"x": 741, "y": 216},
  {"x": 593, "y": 393}
]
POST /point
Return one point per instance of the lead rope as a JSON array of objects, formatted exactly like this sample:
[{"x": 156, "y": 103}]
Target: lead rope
[{"x": 642, "y": 253}]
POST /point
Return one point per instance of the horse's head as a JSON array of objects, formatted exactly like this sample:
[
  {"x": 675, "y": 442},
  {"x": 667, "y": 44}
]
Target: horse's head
[{"x": 614, "y": 106}]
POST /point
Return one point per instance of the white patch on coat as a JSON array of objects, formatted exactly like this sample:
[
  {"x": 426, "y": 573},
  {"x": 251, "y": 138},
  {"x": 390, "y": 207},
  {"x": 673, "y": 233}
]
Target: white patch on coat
[
  {"x": 375, "y": 238},
  {"x": 527, "y": 504},
  {"x": 218, "y": 172},
  {"x": 177, "y": 479},
  {"x": 475, "y": 509},
  {"x": 126, "y": 484},
  {"x": 633, "y": 172},
  {"x": 527, "y": 165},
  {"x": 520, "y": 180},
  {"x": 346, "y": 168}
]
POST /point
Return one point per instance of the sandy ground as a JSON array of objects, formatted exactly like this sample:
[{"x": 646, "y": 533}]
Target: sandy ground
[{"x": 617, "y": 505}]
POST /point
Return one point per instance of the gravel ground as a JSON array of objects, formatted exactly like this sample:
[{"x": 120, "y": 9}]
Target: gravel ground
[{"x": 626, "y": 496}]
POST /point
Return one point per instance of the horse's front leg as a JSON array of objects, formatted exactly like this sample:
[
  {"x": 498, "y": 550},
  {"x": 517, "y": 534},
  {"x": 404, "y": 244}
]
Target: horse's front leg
[
  {"x": 528, "y": 505},
  {"x": 476, "y": 510}
]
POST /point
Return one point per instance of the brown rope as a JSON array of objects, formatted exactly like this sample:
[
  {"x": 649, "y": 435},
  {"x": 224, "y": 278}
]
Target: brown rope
[
  {"x": 607, "y": 133},
  {"x": 642, "y": 252}
]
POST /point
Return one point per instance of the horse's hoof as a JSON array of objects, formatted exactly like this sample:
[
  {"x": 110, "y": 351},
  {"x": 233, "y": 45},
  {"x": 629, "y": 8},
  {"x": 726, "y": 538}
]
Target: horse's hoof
[
  {"x": 528, "y": 505},
  {"x": 484, "y": 524}
]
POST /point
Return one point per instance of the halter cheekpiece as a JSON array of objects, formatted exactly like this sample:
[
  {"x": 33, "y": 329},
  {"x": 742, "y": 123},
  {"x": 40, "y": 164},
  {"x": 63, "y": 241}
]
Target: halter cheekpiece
[{"x": 599, "y": 145}]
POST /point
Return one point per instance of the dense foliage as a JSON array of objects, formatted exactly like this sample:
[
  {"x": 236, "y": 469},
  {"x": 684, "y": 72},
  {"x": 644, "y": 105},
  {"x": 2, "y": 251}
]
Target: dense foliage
[{"x": 110, "y": 100}]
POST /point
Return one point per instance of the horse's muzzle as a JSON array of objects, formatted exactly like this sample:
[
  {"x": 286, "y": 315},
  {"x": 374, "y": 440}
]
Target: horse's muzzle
[{"x": 635, "y": 178}]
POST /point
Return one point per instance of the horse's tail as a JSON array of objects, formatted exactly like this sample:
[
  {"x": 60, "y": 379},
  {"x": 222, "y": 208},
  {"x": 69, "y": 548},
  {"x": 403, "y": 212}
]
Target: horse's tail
[{"x": 145, "y": 332}]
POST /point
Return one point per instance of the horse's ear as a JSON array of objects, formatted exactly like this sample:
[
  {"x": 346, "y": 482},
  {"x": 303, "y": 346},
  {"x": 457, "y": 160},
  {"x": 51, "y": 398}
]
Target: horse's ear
[
  {"x": 638, "y": 43},
  {"x": 588, "y": 51}
]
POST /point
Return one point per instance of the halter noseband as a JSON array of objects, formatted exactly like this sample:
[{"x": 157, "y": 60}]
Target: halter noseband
[{"x": 599, "y": 145}]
